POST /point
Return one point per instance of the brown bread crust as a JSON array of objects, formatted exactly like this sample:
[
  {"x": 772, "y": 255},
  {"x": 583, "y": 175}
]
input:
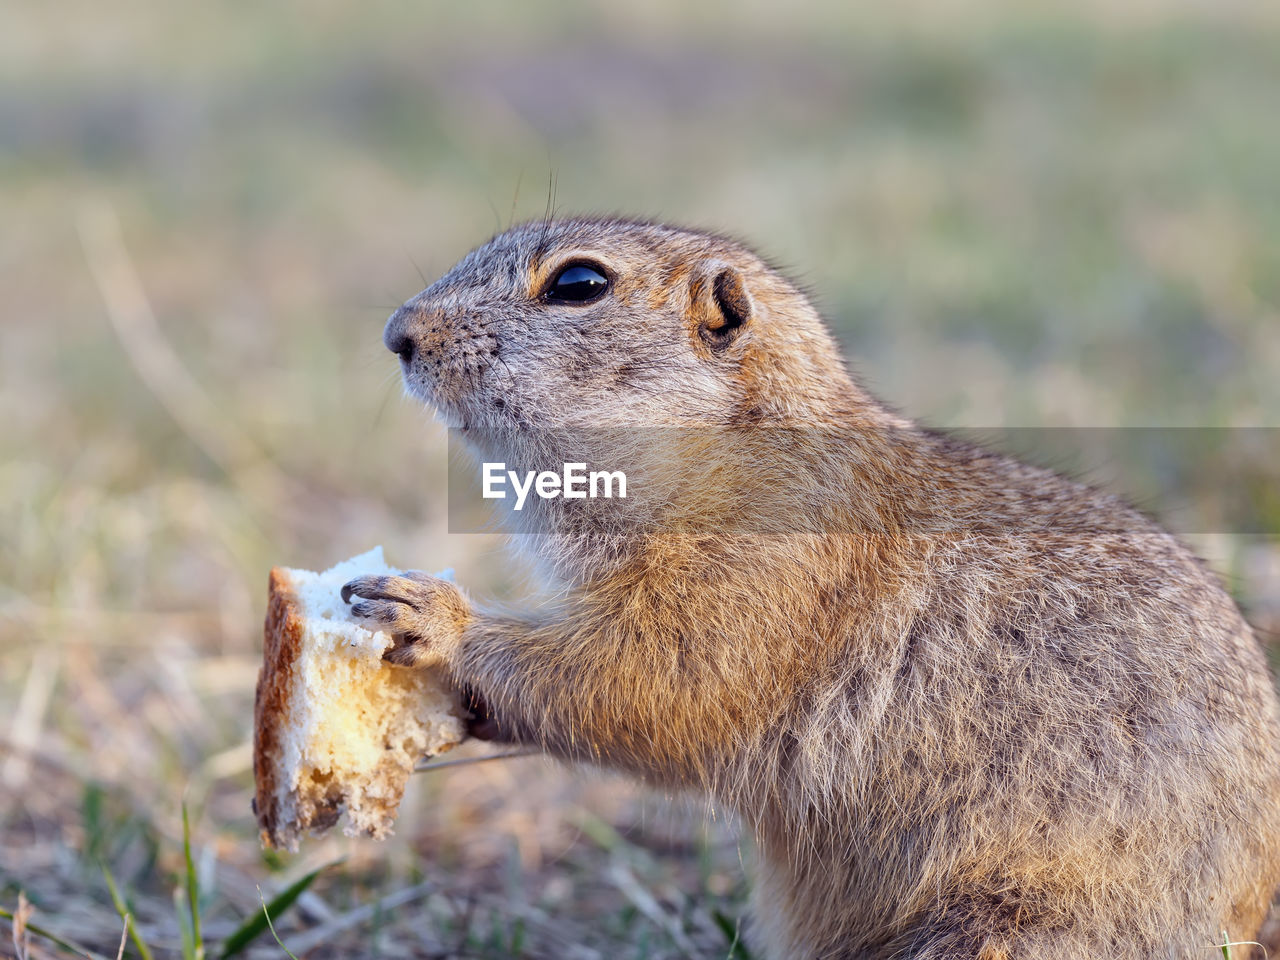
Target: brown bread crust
[{"x": 281, "y": 645}]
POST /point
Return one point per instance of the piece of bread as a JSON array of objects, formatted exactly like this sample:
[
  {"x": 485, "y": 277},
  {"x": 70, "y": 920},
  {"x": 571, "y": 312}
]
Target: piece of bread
[{"x": 335, "y": 727}]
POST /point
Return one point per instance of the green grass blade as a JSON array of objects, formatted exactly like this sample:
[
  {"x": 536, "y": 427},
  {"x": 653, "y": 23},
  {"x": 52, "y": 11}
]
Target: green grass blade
[
  {"x": 193, "y": 888},
  {"x": 184, "y": 924},
  {"x": 69, "y": 945},
  {"x": 256, "y": 923},
  {"x": 93, "y": 817},
  {"x": 126, "y": 914},
  {"x": 737, "y": 949},
  {"x": 272, "y": 928}
]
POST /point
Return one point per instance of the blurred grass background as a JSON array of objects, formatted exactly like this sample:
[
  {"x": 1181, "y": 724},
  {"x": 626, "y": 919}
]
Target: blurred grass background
[{"x": 1060, "y": 214}]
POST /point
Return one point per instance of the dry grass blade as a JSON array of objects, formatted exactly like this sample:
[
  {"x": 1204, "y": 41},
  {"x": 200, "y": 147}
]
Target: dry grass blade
[
  {"x": 314, "y": 938},
  {"x": 118, "y": 900},
  {"x": 124, "y": 938},
  {"x": 28, "y": 718},
  {"x": 1227, "y": 947},
  {"x": 22, "y": 926},
  {"x": 19, "y": 919},
  {"x": 467, "y": 761},
  {"x": 158, "y": 364},
  {"x": 622, "y": 878},
  {"x": 135, "y": 324}
]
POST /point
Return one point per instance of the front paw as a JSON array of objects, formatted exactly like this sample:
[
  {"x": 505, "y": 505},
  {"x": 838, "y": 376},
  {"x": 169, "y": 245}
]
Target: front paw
[{"x": 423, "y": 613}]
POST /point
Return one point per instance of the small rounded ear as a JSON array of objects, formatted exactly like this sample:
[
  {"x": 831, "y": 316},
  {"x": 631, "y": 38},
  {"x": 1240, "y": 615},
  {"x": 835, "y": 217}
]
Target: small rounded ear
[{"x": 721, "y": 305}]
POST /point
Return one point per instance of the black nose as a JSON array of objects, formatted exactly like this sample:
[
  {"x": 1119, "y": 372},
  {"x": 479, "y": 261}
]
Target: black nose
[
  {"x": 397, "y": 340},
  {"x": 401, "y": 346}
]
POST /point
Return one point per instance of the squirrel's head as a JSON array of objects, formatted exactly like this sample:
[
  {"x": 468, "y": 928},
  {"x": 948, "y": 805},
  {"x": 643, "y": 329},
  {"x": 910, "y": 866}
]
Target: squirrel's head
[{"x": 597, "y": 322}]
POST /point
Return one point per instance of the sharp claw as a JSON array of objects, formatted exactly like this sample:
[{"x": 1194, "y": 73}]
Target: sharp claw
[{"x": 402, "y": 654}]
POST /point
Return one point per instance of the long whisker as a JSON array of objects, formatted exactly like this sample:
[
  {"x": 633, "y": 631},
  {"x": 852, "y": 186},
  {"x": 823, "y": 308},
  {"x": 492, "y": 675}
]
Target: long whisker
[{"x": 515, "y": 199}]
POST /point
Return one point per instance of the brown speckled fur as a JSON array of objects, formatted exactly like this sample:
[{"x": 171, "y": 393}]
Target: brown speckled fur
[{"x": 1040, "y": 729}]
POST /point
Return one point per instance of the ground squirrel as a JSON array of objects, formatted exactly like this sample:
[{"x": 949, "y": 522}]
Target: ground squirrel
[{"x": 966, "y": 707}]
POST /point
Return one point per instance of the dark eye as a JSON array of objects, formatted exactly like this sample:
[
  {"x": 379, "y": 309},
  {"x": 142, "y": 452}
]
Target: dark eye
[{"x": 577, "y": 283}]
